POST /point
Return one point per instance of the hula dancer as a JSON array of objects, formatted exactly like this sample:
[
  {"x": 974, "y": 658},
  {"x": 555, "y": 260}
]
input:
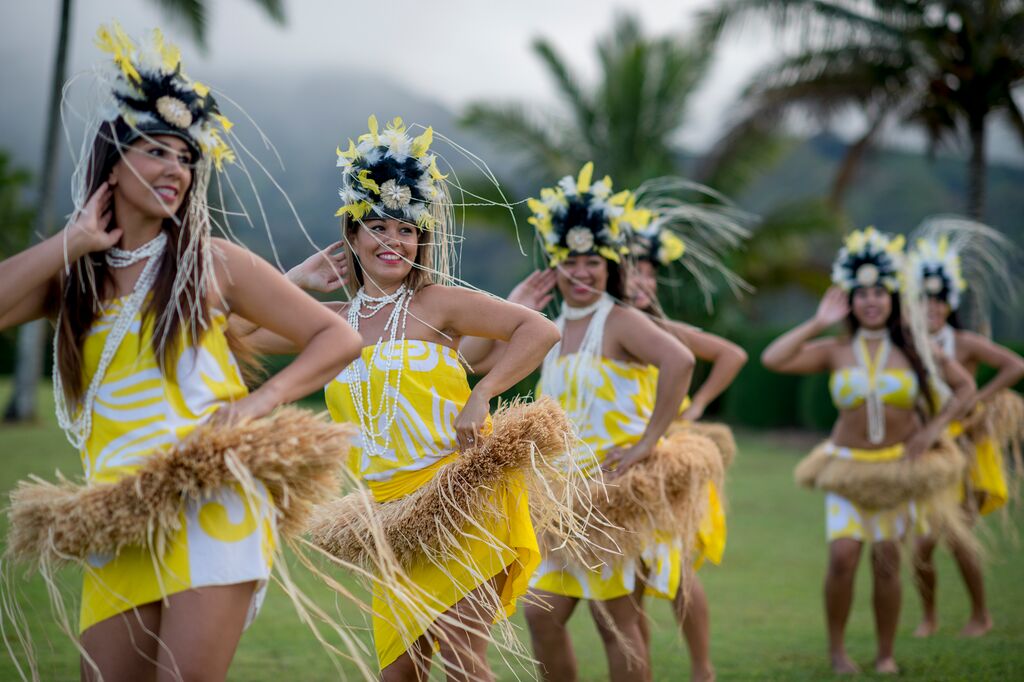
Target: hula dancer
[
  {"x": 948, "y": 254},
  {"x": 886, "y": 451},
  {"x": 445, "y": 527},
  {"x": 177, "y": 522}
]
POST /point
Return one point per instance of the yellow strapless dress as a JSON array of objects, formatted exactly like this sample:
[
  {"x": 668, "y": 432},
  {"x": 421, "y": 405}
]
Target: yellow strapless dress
[
  {"x": 420, "y": 439},
  {"x": 224, "y": 540}
]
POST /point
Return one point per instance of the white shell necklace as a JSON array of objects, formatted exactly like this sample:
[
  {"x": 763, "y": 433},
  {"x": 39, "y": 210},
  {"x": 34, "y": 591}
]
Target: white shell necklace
[
  {"x": 873, "y": 368},
  {"x": 78, "y": 428},
  {"x": 589, "y": 350},
  {"x": 376, "y": 423}
]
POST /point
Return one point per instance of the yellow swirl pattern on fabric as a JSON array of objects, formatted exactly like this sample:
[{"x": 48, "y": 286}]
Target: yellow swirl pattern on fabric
[
  {"x": 225, "y": 539},
  {"x": 422, "y": 439},
  {"x": 849, "y": 387},
  {"x": 622, "y": 397}
]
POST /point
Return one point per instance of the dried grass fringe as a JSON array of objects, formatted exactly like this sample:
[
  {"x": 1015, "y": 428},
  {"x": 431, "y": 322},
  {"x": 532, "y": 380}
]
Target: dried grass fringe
[
  {"x": 1003, "y": 421},
  {"x": 720, "y": 434},
  {"x": 527, "y": 440},
  {"x": 932, "y": 482},
  {"x": 298, "y": 457},
  {"x": 666, "y": 494}
]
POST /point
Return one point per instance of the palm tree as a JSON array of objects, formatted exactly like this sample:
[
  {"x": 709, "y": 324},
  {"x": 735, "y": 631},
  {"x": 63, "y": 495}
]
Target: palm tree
[
  {"x": 624, "y": 123},
  {"x": 32, "y": 336},
  {"x": 944, "y": 66}
]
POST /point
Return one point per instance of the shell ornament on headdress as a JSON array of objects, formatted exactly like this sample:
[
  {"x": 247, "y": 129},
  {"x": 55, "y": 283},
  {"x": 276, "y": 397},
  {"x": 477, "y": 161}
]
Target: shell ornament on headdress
[
  {"x": 155, "y": 97},
  {"x": 936, "y": 265},
  {"x": 391, "y": 175},
  {"x": 869, "y": 258},
  {"x": 578, "y": 217}
]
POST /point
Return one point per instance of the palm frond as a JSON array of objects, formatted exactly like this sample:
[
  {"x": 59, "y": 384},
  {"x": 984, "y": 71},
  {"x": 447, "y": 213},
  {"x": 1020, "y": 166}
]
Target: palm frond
[
  {"x": 513, "y": 127},
  {"x": 580, "y": 106}
]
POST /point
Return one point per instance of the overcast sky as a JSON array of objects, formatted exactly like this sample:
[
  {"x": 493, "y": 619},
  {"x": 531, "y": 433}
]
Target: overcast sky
[{"x": 453, "y": 51}]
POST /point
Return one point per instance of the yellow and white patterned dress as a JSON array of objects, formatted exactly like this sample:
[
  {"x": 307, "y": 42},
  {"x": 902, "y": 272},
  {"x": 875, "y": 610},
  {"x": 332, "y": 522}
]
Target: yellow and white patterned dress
[
  {"x": 224, "y": 540},
  {"x": 420, "y": 440},
  {"x": 622, "y": 403}
]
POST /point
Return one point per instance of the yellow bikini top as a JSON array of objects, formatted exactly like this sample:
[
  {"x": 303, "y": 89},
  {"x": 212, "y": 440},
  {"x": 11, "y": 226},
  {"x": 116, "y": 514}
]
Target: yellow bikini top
[
  {"x": 869, "y": 379},
  {"x": 896, "y": 387}
]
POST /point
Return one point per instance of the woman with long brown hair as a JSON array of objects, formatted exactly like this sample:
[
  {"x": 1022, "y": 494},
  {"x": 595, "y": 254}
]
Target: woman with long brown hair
[
  {"x": 424, "y": 433},
  {"x": 886, "y": 450},
  {"x": 140, "y": 292}
]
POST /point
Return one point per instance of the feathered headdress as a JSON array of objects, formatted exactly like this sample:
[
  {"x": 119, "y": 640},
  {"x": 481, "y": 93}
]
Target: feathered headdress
[
  {"x": 869, "y": 258},
  {"x": 154, "y": 96},
  {"x": 391, "y": 175},
  {"x": 692, "y": 225},
  {"x": 936, "y": 265},
  {"x": 950, "y": 251},
  {"x": 579, "y": 216}
]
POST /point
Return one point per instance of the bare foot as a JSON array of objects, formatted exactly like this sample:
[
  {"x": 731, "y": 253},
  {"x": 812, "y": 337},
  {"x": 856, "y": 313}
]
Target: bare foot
[
  {"x": 976, "y": 627},
  {"x": 842, "y": 665},
  {"x": 927, "y": 628},
  {"x": 887, "y": 666},
  {"x": 705, "y": 674}
]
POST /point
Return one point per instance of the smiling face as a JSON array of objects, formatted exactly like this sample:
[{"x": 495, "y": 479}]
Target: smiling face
[
  {"x": 582, "y": 279},
  {"x": 642, "y": 285},
  {"x": 385, "y": 249},
  {"x": 871, "y": 306},
  {"x": 153, "y": 176}
]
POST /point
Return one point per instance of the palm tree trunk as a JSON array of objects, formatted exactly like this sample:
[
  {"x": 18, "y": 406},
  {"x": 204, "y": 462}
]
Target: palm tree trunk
[
  {"x": 976, "y": 169},
  {"x": 32, "y": 336}
]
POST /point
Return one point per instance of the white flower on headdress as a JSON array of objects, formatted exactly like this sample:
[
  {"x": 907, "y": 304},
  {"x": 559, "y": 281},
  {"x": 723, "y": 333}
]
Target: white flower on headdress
[
  {"x": 174, "y": 111},
  {"x": 568, "y": 185},
  {"x": 395, "y": 196},
  {"x": 934, "y": 284},
  {"x": 867, "y": 275},
  {"x": 601, "y": 189},
  {"x": 579, "y": 239}
]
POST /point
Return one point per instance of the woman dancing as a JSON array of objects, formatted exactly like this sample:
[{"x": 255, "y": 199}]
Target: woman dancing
[
  {"x": 140, "y": 292},
  {"x": 419, "y": 421},
  {"x": 887, "y": 437},
  {"x": 948, "y": 254}
]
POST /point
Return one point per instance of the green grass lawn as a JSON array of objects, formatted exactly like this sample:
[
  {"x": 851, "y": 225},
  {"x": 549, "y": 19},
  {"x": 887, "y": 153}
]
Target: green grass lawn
[{"x": 765, "y": 598}]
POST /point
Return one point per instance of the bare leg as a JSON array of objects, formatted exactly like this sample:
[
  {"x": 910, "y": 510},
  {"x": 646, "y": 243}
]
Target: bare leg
[
  {"x": 200, "y": 630},
  {"x": 412, "y": 666},
  {"x": 123, "y": 647},
  {"x": 924, "y": 570},
  {"x": 546, "y": 615},
  {"x": 464, "y": 643},
  {"x": 885, "y": 564},
  {"x": 843, "y": 555},
  {"x": 970, "y": 569},
  {"x": 618, "y": 623},
  {"x": 692, "y": 613}
]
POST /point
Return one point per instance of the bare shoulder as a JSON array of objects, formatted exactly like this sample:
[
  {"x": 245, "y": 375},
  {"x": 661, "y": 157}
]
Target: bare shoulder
[{"x": 338, "y": 307}]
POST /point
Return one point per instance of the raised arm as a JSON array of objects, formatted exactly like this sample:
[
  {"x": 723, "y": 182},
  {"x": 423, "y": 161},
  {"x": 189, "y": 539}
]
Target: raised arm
[
  {"x": 527, "y": 335},
  {"x": 257, "y": 292},
  {"x": 960, "y": 382},
  {"x": 726, "y": 358},
  {"x": 30, "y": 278},
  {"x": 533, "y": 293},
  {"x": 646, "y": 341},
  {"x": 796, "y": 351},
  {"x": 1008, "y": 365}
]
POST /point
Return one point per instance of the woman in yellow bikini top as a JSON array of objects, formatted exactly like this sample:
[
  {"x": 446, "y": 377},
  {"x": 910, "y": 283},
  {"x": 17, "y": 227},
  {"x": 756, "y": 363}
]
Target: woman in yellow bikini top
[
  {"x": 411, "y": 400},
  {"x": 947, "y": 254},
  {"x": 878, "y": 383}
]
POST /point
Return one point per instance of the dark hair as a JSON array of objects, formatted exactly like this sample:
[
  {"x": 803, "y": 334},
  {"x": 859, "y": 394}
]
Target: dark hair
[
  {"x": 901, "y": 339},
  {"x": 76, "y": 303}
]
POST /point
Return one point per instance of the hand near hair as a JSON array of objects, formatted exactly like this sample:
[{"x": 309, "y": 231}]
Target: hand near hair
[
  {"x": 535, "y": 291},
  {"x": 834, "y": 307},
  {"x": 325, "y": 271},
  {"x": 88, "y": 233}
]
